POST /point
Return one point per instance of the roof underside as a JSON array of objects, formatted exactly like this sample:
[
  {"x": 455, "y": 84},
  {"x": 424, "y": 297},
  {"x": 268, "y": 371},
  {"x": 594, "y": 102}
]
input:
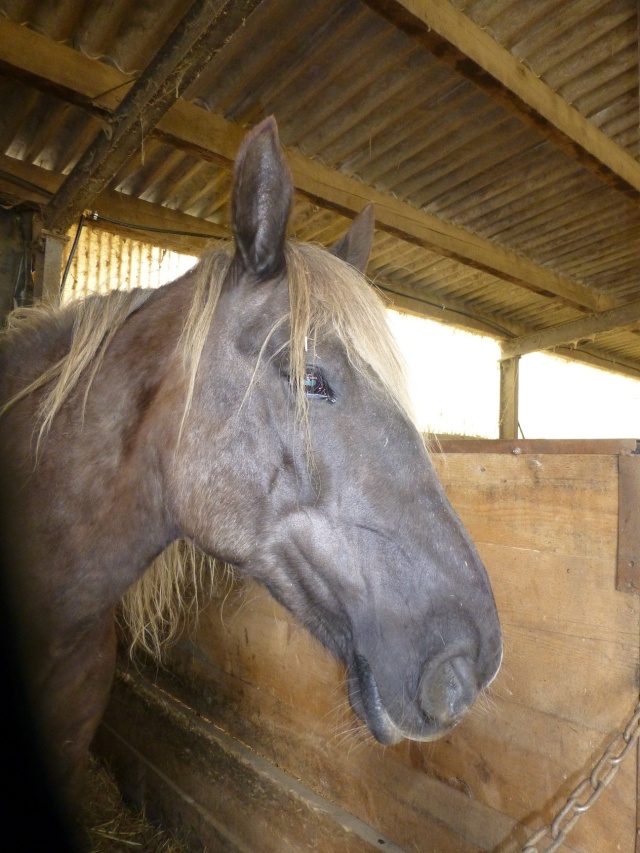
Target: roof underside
[{"x": 499, "y": 139}]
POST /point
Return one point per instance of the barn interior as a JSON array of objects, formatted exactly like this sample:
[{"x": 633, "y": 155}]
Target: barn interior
[{"x": 500, "y": 143}]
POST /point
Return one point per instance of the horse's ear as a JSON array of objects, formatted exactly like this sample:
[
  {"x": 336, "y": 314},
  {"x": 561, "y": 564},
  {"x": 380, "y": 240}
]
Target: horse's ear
[
  {"x": 261, "y": 200},
  {"x": 355, "y": 246}
]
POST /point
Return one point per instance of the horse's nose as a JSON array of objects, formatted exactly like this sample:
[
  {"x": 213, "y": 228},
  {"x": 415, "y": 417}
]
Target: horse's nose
[{"x": 448, "y": 686}]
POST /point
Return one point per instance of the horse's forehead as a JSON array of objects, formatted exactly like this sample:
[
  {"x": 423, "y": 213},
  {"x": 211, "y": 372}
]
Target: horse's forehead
[
  {"x": 271, "y": 307},
  {"x": 268, "y": 298}
]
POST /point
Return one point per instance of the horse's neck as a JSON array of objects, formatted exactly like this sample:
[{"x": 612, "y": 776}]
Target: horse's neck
[{"x": 98, "y": 471}]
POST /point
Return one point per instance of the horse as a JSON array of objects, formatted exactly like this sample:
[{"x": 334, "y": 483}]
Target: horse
[{"x": 257, "y": 409}]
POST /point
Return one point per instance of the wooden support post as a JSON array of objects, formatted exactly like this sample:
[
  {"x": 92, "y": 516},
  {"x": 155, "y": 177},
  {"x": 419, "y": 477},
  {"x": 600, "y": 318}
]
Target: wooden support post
[
  {"x": 48, "y": 249},
  {"x": 509, "y": 374}
]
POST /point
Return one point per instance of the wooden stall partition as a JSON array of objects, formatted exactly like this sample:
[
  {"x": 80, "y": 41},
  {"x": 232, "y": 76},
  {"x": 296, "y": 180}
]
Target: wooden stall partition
[
  {"x": 545, "y": 518},
  {"x": 246, "y": 739}
]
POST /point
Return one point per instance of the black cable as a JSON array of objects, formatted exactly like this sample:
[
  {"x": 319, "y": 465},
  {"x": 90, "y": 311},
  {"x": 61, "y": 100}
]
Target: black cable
[
  {"x": 94, "y": 215},
  {"x": 445, "y": 308},
  {"x": 74, "y": 246},
  {"x": 21, "y": 182}
]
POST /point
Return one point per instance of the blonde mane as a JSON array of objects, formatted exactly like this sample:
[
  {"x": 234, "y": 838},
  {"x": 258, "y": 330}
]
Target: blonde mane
[
  {"x": 95, "y": 321},
  {"x": 327, "y": 297}
]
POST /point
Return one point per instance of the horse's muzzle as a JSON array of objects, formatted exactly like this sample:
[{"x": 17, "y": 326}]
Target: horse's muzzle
[
  {"x": 449, "y": 684},
  {"x": 448, "y": 688}
]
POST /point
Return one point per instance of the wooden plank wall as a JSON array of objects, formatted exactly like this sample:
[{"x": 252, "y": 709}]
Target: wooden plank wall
[{"x": 546, "y": 527}]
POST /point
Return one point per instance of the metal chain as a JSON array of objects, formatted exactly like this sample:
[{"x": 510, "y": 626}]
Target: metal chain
[{"x": 588, "y": 791}]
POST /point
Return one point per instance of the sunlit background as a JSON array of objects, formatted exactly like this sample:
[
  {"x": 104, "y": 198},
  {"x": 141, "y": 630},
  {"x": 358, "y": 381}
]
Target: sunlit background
[{"x": 454, "y": 378}]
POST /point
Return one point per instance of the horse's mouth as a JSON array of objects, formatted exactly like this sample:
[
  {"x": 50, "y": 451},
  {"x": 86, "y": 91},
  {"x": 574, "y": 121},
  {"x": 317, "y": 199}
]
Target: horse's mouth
[{"x": 366, "y": 702}]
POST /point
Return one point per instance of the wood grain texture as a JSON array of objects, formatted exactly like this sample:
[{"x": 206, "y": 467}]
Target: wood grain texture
[
  {"x": 628, "y": 566},
  {"x": 229, "y": 797}
]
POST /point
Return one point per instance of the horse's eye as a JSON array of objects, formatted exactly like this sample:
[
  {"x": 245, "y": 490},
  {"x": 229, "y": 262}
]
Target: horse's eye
[{"x": 316, "y": 385}]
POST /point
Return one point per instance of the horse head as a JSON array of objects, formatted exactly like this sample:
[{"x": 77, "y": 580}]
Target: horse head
[{"x": 322, "y": 488}]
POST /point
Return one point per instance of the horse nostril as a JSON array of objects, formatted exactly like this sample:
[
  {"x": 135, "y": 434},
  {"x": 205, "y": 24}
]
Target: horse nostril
[{"x": 448, "y": 687}]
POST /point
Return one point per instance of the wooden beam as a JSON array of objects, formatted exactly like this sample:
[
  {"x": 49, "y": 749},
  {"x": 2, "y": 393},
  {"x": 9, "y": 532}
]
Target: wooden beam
[
  {"x": 457, "y": 314},
  {"x": 448, "y": 311},
  {"x": 454, "y": 38},
  {"x": 625, "y": 315},
  {"x": 136, "y": 218},
  {"x": 509, "y": 382},
  {"x": 211, "y": 137},
  {"x": 205, "y": 28},
  {"x": 420, "y": 307},
  {"x": 628, "y": 568},
  {"x": 37, "y": 61},
  {"x": 602, "y": 360},
  {"x": 221, "y": 793}
]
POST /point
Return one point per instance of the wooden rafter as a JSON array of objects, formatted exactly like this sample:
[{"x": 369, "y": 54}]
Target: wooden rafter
[
  {"x": 213, "y": 138},
  {"x": 625, "y": 315},
  {"x": 603, "y": 361},
  {"x": 450, "y": 311},
  {"x": 454, "y": 38},
  {"x": 137, "y": 213},
  {"x": 202, "y": 32}
]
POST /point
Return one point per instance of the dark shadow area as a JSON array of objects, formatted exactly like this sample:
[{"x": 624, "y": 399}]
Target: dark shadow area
[{"x": 32, "y": 816}]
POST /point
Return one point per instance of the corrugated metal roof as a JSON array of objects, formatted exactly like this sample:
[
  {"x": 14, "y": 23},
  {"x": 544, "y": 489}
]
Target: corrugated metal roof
[
  {"x": 366, "y": 98},
  {"x": 123, "y": 33},
  {"x": 586, "y": 50}
]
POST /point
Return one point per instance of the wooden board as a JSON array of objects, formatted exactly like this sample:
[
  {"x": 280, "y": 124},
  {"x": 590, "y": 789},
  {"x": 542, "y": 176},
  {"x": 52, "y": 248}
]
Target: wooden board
[
  {"x": 289, "y": 704},
  {"x": 546, "y": 526},
  {"x": 228, "y": 798},
  {"x": 581, "y": 447}
]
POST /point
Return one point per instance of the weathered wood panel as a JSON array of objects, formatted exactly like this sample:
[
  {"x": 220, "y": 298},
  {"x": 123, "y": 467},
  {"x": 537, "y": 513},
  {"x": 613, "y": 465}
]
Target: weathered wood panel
[
  {"x": 240, "y": 801},
  {"x": 546, "y": 526}
]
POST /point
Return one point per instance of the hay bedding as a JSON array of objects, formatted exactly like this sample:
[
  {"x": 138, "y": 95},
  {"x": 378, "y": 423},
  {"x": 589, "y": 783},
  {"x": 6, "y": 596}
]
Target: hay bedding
[{"x": 112, "y": 826}]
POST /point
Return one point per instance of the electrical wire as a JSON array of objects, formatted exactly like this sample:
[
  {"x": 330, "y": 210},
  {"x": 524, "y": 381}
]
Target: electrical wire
[
  {"x": 500, "y": 330},
  {"x": 94, "y": 215},
  {"x": 21, "y": 182},
  {"x": 74, "y": 246}
]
